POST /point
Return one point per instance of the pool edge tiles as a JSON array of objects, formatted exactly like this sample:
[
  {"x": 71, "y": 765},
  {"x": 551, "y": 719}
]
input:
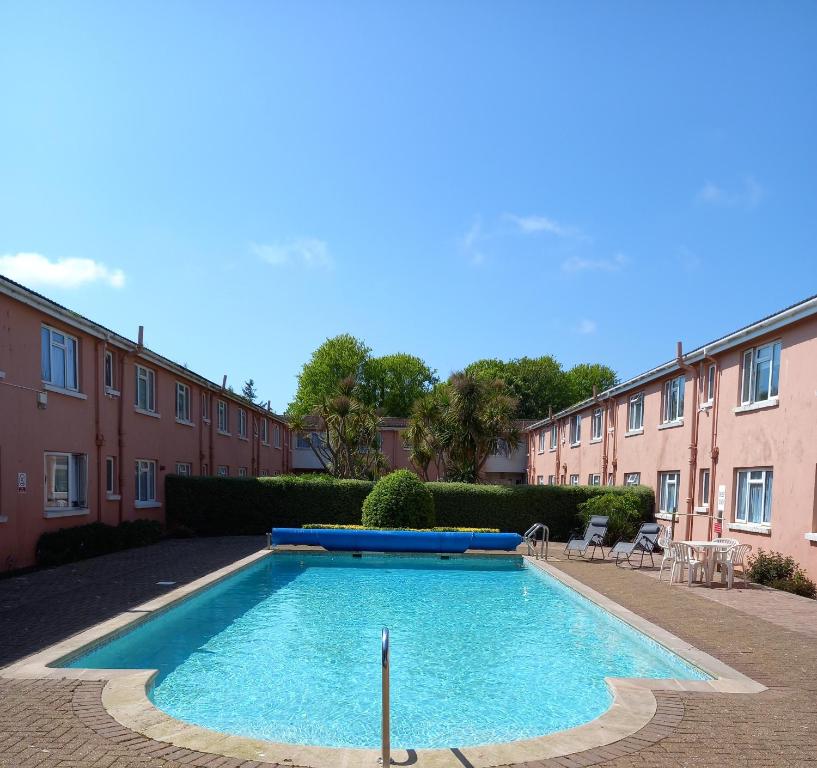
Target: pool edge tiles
[{"x": 125, "y": 696}]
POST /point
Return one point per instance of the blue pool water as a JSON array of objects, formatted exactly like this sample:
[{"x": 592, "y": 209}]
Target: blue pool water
[{"x": 483, "y": 650}]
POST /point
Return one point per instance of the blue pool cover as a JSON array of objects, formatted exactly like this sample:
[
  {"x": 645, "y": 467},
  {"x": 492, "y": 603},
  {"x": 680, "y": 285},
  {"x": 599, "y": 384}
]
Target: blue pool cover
[{"x": 349, "y": 540}]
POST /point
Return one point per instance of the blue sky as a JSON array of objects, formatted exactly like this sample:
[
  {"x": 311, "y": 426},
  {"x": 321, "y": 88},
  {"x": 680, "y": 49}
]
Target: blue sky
[{"x": 451, "y": 179}]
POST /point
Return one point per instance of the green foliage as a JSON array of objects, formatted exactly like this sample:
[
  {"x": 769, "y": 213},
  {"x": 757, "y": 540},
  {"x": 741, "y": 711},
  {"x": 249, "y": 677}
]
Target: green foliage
[
  {"x": 326, "y": 526},
  {"x": 583, "y": 377},
  {"x": 399, "y": 500},
  {"x": 248, "y": 391},
  {"x": 393, "y": 382},
  {"x": 624, "y": 510},
  {"x": 68, "y": 545},
  {"x": 780, "y": 572}
]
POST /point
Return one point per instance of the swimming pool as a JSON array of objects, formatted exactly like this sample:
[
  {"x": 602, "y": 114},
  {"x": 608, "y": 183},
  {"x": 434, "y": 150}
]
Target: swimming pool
[{"x": 484, "y": 649}]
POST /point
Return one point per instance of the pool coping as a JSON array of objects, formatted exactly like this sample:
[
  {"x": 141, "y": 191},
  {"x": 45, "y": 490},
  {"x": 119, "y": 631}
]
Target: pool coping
[{"x": 125, "y": 694}]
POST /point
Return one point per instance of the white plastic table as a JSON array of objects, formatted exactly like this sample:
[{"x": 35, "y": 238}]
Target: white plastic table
[{"x": 708, "y": 551}]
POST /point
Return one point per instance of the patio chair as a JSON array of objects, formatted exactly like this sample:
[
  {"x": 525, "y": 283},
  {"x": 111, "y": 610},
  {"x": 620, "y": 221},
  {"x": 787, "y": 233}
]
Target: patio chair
[
  {"x": 593, "y": 537},
  {"x": 668, "y": 554},
  {"x": 736, "y": 558},
  {"x": 646, "y": 540},
  {"x": 685, "y": 558}
]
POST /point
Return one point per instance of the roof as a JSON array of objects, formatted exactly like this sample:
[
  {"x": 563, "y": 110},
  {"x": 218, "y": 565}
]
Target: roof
[
  {"x": 788, "y": 316},
  {"x": 48, "y": 306}
]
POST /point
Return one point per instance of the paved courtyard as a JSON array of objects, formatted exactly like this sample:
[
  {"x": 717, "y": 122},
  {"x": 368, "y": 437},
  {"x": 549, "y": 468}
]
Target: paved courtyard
[{"x": 769, "y": 636}]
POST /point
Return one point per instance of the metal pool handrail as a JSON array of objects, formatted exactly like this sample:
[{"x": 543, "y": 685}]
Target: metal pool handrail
[
  {"x": 385, "y": 757},
  {"x": 544, "y": 542}
]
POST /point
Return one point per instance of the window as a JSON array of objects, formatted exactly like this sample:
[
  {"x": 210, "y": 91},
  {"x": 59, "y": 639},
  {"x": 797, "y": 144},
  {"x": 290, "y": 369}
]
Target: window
[
  {"x": 205, "y": 406},
  {"x": 145, "y": 389},
  {"x": 145, "y": 480},
  {"x": 276, "y": 436},
  {"x": 703, "y": 489},
  {"x": 242, "y": 423},
  {"x": 110, "y": 371},
  {"x": 575, "y": 430},
  {"x": 540, "y": 480},
  {"x": 205, "y": 469},
  {"x": 754, "y": 497},
  {"x": 110, "y": 475},
  {"x": 58, "y": 357},
  {"x": 668, "y": 491},
  {"x": 242, "y": 471},
  {"x": 264, "y": 431},
  {"x": 574, "y": 479},
  {"x": 66, "y": 480},
  {"x": 222, "y": 470},
  {"x": 673, "y": 400},
  {"x": 596, "y": 425},
  {"x": 264, "y": 473},
  {"x": 302, "y": 442},
  {"x": 182, "y": 402},
  {"x": 609, "y": 478},
  {"x": 594, "y": 480},
  {"x": 761, "y": 373},
  {"x": 635, "y": 413},
  {"x": 551, "y": 479},
  {"x": 184, "y": 468},
  {"x": 223, "y": 417},
  {"x": 542, "y": 441},
  {"x": 632, "y": 478},
  {"x": 710, "y": 384}
]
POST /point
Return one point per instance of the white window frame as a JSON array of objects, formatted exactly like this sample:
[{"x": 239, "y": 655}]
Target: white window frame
[
  {"x": 766, "y": 485},
  {"x": 276, "y": 436},
  {"x": 667, "y": 481},
  {"x": 635, "y": 413},
  {"x": 594, "y": 479},
  {"x": 540, "y": 479},
  {"x": 145, "y": 470},
  {"x": 242, "y": 423},
  {"x": 70, "y": 367},
  {"x": 574, "y": 479},
  {"x": 264, "y": 430},
  {"x": 551, "y": 479},
  {"x": 223, "y": 413},
  {"x": 609, "y": 478},
  {"x": 148, "y": 375},
  {"x": 242, "y": 472},
  {"x": 222, "y": 470},
  {"x": 76, "y": 489},
  {"x": 183, "y": 403},
  {"x": 703, "y": 488},
  {"x": 749, "y": 374},
  {"x": 672, "y": 407},
  {"x": 576, "y": 429},
  {"x": 596, "y": 424},
  {"x": 205, "y": 407},
  {"x": 184, "y": 468},
  {"x": 710, "y": 383},
  {"x": 109, "y": 372},
  {"x": 632, "y": 478},
  {"x": 542, "y": 441},
  {"x": 110, "y": 476}
]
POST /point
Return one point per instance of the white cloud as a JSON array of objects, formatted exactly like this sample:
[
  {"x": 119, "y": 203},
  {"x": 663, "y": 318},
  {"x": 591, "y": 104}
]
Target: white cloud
[
  {"x": 579, "y": 264},
  {"x": 533, "y": 224},
  {"x": 586, "y": 326},
  {"x": 34, "y": 269},
  {"x": 748, "y": 195},
  {"x": 471, "y": 241},
  {"x": 305, "y": 251}
]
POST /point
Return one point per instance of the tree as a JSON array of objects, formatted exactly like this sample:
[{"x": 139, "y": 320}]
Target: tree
[
  {"x": 426, "y": 434},
  {"x": 583, "y": 377},
  {"x": 248, "y": 391},
  {"x": 392, "y": 383},
  {"x": 333, "y": 361},
  {"x": 342, "y": 432}
]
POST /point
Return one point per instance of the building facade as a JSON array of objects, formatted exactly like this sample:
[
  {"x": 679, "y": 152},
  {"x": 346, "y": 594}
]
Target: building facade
[
  {"x": 91, "y": 422},
  {"x": 724, "y": 435}
]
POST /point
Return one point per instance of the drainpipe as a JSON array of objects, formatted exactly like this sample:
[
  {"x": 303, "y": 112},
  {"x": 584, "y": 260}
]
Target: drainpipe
[
  {"x": 121, "y": 435},
  {"x": 713, "y": 449},
  {"x": 693, "y": 440},
  {"x": 99, "y": 439}
]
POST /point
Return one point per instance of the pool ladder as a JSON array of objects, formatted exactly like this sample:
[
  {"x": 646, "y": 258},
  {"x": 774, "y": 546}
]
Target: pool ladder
[
  {"x": 385, "y": 659},
  {"x": 543, "y": 542}
]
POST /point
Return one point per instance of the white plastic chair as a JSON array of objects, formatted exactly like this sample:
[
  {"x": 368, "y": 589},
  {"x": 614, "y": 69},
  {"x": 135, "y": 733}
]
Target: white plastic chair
[
  {"x": 685, "y": 558},
  {"x": 719, "y": 555},
  {"x": 736, "y": 557},
  {"x": 665, "y": 542}
]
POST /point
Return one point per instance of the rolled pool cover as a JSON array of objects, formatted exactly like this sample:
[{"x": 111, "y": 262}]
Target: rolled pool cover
[{"x": 350, "y": 540}]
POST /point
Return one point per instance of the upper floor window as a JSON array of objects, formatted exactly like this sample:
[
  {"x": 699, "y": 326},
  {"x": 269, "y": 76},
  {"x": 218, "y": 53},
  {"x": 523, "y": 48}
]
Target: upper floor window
[
  {"x": 596, "y": 424},
  {"x": 542, "y": 441},
  {"x": 242, "y": 422},
  {"x": 264, "y": 431},
  {"x": 205, "y": 406},
  {"x": 710, "y": 383},
  {"x": 302, "y": 442},
  {"x": 635, "y": 413},
  {"x": 145, "y": 480},
  {"x": 554, "y": 436},
  {"x": 761, "y": 373},
  {"x": 668, "y": 491},
  {"x": 110, "y": 371},
  {"x": 58, "y": 358},
  {"x": 145, "y": 389},
  {"x": 575, "y": 431},
  {"x": 223, "y": 417},
  {"x": 182, "y": 402},
  {"x": 673, "y": 400},
  {"x": 754, "y": 497},
  {"x": 276, "y": 435},
  {"x": 632, "y": 478},
  {"x": 66, "y": 480}
]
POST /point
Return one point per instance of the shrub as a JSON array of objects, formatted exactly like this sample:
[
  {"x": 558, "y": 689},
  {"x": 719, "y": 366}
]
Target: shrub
[
  {"x": 766, "y": 567},
  {"x": 798, "y": 583},
  {"x": 622, "y": 509},
  {"x": 399, "y": 500},
  {"x": 67, "y": 545}
]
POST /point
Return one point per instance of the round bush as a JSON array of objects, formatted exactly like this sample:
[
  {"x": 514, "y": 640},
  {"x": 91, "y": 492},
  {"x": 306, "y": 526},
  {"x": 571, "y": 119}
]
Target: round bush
[{"x": 399, "y": 500}]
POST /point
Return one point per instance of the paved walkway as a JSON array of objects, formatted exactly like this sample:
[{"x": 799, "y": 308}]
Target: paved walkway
[{"x": 61, "y": 724}]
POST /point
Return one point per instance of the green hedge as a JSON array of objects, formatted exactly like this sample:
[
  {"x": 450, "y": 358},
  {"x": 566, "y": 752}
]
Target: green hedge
[
  {"x": 212, "y": 506},
  {"x": 68, "y": 545}
]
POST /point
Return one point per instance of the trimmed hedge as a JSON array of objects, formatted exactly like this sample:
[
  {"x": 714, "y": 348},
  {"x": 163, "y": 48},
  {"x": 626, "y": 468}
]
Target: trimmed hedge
[
  {"x": 212, "y": 506},
  {"x": 401, "y": 500},
  {"x": 67, "y": 545}
]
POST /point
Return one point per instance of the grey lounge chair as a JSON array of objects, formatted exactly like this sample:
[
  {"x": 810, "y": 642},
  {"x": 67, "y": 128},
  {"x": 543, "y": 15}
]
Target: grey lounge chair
[
  {"x": 646, "y": 542},
  {"x": 593, "y": 537}
]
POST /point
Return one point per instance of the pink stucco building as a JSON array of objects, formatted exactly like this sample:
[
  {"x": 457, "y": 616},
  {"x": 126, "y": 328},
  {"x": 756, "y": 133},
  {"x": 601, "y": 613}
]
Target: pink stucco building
[
  {"x": 724, "y": 434},
  {"x": 91, "y": 422}
]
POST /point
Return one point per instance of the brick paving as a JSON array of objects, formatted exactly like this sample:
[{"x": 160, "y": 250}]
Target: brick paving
[{"x": 62, "y": 724}]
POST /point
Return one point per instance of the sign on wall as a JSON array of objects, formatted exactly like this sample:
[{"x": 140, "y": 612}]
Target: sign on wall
[
  {"x": 22, "y": 482},
  {"x": 721, "y": 498}
]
